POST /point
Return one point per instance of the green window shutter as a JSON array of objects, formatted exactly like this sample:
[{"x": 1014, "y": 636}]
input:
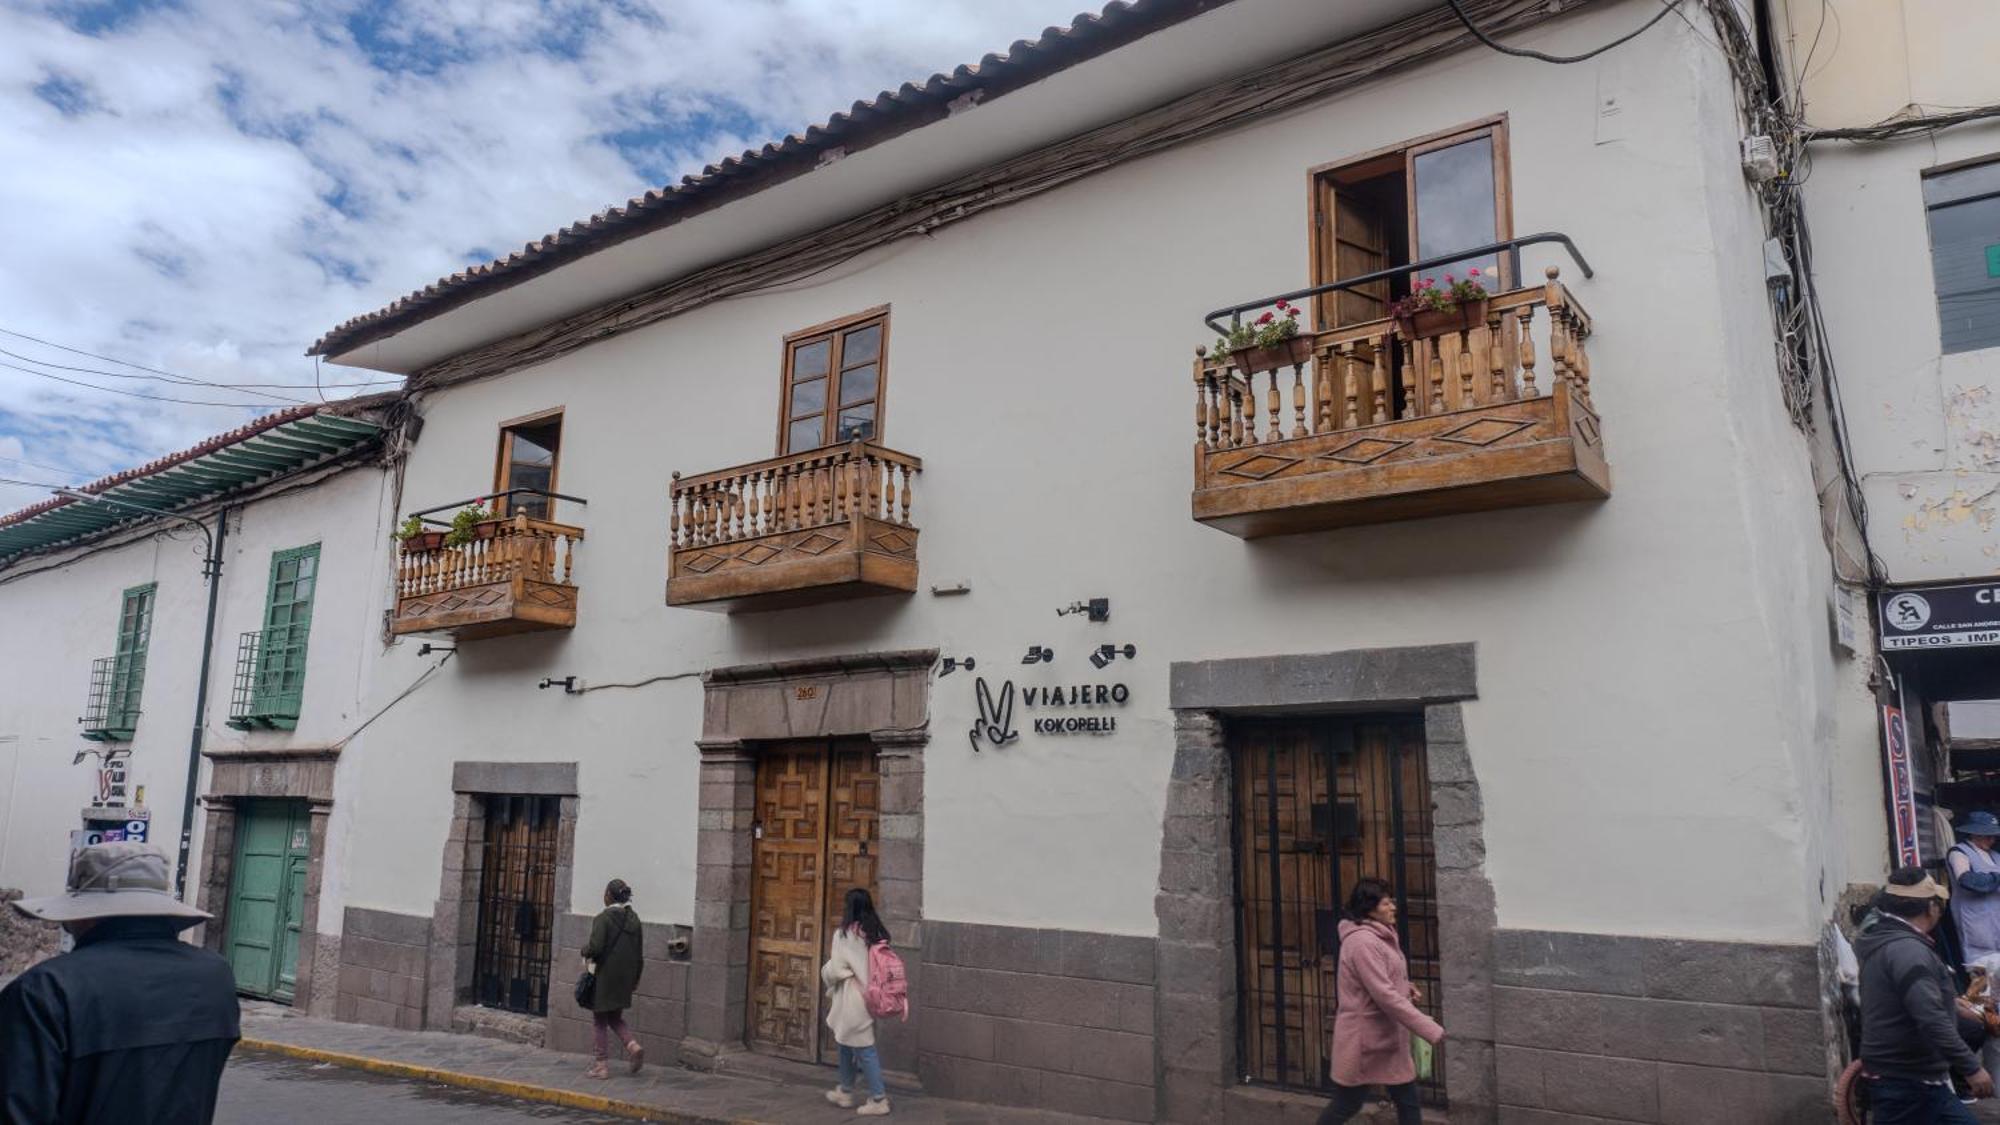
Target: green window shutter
[
  {"x": 281, "y": 656},
  {"x": 128, "y": 666}
]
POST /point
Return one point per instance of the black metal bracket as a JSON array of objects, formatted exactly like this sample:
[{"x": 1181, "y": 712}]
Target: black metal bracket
[{"x": 1512, "y": 247}]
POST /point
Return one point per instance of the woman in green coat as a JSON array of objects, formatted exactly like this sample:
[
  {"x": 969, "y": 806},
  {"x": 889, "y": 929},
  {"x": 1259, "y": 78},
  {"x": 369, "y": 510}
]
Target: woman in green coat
[{"x": 616, "y": 953}]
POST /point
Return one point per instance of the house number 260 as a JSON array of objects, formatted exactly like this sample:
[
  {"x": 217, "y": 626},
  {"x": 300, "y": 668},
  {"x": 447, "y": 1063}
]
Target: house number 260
[{"x": 806, "y": 691}]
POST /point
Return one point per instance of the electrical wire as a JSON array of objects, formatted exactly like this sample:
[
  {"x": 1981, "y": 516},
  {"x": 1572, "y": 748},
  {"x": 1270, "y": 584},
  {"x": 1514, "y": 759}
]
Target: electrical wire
[
  {"x": 161, "y": 375},
  {"x": 32, "y": 484},
  {"x": 402, "y": 695},
  {"x": 1524, "y": 53},
  {"x": 40, "y": 465},
  {"x": 136, "y": 394},
  {"x": 590, "y": 687},
  {"x": 124, "y": 375},
  {"x": 1903, "y": 125}
]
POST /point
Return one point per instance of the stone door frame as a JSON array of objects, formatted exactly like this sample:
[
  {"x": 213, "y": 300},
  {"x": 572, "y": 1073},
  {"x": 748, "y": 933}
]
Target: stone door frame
[
  {"x": 881, "y": 696},
  {"x": 235, "y": 776},
  {"x": 1197, "y": 1004},
  {"x": 454, "y": 930}
]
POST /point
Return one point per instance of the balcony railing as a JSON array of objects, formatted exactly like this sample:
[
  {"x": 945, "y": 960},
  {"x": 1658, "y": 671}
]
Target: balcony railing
[
  {"x": 809, "y": 527},
  {"x": 1392, "y": 420},
  {"x": 111, "y": 710},
  {"x": 513, "y": 575},
  {"x": 270, "y": 680}
]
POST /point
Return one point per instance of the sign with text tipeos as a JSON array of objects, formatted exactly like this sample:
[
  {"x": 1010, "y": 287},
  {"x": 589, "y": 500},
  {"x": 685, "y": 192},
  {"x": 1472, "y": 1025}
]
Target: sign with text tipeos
[{"x": 1965, "y": 615}]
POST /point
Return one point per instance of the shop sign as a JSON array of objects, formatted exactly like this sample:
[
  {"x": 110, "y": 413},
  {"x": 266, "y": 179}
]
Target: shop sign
[
  {"x": 1902, "y": 787},
  {"x": 1961, "y": 616}
]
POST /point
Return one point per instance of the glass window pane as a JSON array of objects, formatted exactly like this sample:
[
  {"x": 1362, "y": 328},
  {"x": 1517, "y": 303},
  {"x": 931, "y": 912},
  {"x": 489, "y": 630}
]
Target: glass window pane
[
  {"x": 862, "y": 345},
  {"x": 809, "y": 360},
  {"x": 303, "y": 591},
  {"x": 308, "y": 566},
  {"x": 808, "y": 397},
  {"x": 1455, "y": 205},
  {"x": 806, "y": 434},
  {"x": 858, "y": 385},
  {"x": 856, "y": 422},
  {"x": 1965, "y": 266}
]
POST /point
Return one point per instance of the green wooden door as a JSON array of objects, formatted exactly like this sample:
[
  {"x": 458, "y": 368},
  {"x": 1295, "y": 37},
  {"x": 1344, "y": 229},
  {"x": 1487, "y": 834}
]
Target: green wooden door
[{"x": 267, "y": 896}]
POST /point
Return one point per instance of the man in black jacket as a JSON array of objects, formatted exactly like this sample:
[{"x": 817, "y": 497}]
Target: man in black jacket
[
  {"x": 133, "y": 1025},
  {"x": 1910, "y": 1043}
]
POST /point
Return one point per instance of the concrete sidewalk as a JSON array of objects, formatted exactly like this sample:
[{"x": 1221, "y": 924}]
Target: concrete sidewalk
[{"x": 664, "y": 1091}]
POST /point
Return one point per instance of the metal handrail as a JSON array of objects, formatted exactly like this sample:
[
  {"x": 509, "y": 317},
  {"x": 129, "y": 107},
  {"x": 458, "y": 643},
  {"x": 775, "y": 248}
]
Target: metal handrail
[
  {"x": 424, "y": 513},
  {"x": 1512, "y": 246}
]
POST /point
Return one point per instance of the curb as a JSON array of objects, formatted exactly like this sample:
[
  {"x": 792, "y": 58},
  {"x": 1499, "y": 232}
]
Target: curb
[{"x": 525, "y": 1091}]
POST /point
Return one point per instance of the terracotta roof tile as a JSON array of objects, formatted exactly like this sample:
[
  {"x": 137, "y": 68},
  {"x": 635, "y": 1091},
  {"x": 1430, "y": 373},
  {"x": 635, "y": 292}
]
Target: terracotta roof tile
[{"x": 888, "y": 114}]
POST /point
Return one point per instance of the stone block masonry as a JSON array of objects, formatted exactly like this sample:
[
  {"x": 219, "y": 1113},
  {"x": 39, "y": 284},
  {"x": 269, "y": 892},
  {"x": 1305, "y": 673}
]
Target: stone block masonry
[
  {"x": 382, "y": 968},
  {"x": 1050, "y": 1019},
  {"x": 1594, "y": 1027},
  {"x": 658, "y": 1015}
]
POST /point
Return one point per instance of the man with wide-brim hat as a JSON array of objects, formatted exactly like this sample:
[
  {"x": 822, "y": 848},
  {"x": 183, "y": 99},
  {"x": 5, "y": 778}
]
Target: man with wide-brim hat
[{"x": 133, "y": 1025}]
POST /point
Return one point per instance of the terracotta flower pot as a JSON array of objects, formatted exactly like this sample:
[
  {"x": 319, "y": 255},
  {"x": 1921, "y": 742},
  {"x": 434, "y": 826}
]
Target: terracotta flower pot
[
  {"x": 424, "y": 541},
  {"x": 1289, "y": 352},
  {"x": 1424, "y": 325}
]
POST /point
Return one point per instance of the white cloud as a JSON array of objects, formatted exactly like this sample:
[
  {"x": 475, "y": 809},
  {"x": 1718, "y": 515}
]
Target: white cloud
[{"x": 204, "y": 187}]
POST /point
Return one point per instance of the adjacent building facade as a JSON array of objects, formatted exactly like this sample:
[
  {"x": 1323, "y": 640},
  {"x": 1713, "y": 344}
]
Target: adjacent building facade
[{"x": 108, "y": 606}]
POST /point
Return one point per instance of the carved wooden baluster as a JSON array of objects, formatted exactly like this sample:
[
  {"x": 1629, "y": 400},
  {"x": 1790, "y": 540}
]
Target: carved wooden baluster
[
  {"x": 1581, "y": 360},
  {"x": 1326, "y": 404},
  {"x": 1298, "y": 398},
  {"x": 1243, "y": 411},
  {"x": 1273, "y": 403},
  {"x": 1464, "y": 367},
  {"x": 1528, "y": 388},
  {"x": 823, "y": 480},
  {"x": 1379, "y": 380},
  {"x": 1436, "y": 365},
  {"x": 1351, "y": 418},
  {"x": 569, "y": 558},
  {"x": 1203, "y": 419},
  {"x": 1412, "y": 380},
  {"x": 909, "y": 479},
  {"x": 1497, "y": 389},
  {"x": 674, "y": 500},
  {"x": 1559, "y": 372}
]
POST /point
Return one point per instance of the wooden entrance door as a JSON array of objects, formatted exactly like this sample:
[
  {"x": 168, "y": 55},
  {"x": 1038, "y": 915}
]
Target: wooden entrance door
[
  {"x": 1321, "y": 804},
  {"x": 267, "y": 896},
  {"x": 814, "y": 839}
]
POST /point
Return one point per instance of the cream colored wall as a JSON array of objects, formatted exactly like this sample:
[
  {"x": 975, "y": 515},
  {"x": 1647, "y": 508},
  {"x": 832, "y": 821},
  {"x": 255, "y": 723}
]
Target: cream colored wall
[
  {"x": 61, "y": 612},
  {"x": 1926, "y": 426},
  {"x": 1658, "y": 705}
]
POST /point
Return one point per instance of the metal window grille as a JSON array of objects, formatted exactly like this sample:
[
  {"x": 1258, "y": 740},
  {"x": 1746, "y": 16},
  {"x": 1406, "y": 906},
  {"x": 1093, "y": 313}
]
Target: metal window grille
[
  {"x": 270, "y": 676},
  {"x": 516, "y": 903},
  {"x": 111, "y": 710},
  {"x": 1320, "y": 805}
]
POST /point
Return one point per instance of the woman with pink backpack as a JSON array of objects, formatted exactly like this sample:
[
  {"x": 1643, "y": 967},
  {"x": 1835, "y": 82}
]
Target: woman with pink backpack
[{"x": 864, "y": 982}]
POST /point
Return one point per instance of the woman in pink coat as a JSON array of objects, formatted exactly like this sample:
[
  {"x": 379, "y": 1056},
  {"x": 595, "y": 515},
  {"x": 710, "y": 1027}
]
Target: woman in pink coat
[{"x": 1377, "y": 1011}]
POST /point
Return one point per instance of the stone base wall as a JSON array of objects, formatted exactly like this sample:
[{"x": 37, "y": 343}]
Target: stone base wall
[
  {"x": 1591, "y": 1027},
  {"x": 1051, "y": 1019},
  {"x": 658, "y": 1015},
  {"x": 382, "y": 968}
]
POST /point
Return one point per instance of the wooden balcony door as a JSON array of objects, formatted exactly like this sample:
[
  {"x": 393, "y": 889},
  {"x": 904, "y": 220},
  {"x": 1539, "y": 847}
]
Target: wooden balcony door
[
  {"x": 1320, "y": 804},
  {"x": 814, "y": 838}
]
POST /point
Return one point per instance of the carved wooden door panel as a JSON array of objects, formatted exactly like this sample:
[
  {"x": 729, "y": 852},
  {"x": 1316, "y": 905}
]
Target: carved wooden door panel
[
  {"x": 852, "y": 847},
  {"x": 787, "y": 899},
  {"x": 815, "y": 828}
]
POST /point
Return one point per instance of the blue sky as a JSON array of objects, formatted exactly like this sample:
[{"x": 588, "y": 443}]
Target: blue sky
[{"x": 203, "y": 186}]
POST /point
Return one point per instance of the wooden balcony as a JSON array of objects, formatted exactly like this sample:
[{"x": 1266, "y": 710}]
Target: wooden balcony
[
  {"x": 806, "y": 528},
  {"x": 513, "y": 577},
  {"x": 1380, "y": 426}
]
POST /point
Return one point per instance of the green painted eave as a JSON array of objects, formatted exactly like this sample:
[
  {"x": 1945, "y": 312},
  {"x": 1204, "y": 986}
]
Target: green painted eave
[{"x": 264, "y": 456}]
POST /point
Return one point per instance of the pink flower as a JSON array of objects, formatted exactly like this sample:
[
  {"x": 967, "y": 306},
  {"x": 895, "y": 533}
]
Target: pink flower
[
  {"x": 1473, "y": 272},
  {"x": 1430, "y": 283},
  {"x": 1266, "y": 318}
]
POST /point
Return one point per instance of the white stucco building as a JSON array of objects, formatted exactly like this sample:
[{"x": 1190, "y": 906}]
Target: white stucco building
[
  {"x": 1605, "y": 745},
  {"x": 859, "y": 513},
  {"x": 107, "y": 606}
]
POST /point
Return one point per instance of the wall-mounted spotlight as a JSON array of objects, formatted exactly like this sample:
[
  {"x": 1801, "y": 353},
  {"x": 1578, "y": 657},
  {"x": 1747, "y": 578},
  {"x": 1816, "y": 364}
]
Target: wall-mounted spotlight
[
  {"x": 953, "y": 664},
  {"x": 1096, "y": 609},
  {"x": 1039, "y": 654},
  {"x": 571, "y": 685},
  {"x": 1105, "y": 654}
]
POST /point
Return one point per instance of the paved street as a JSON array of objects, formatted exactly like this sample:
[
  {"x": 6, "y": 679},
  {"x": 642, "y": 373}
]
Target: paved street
[{"x": 257, "y": 1089}]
